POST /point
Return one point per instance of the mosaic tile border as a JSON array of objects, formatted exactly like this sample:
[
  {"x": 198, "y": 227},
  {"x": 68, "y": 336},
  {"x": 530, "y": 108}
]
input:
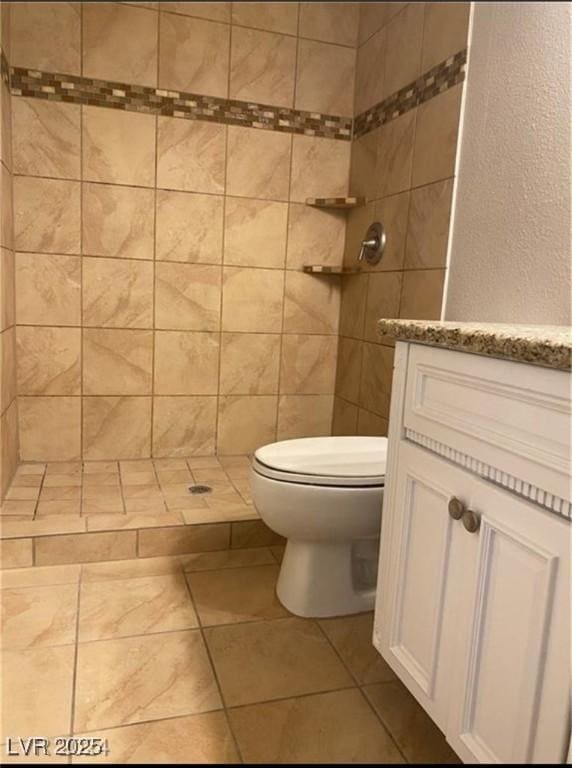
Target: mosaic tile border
[
  {"x": 4, "y": 68},
  {"x": 437, "y": 80},
  {"x": 157, "y": 101},
  {"x": 74, "y": 89}
]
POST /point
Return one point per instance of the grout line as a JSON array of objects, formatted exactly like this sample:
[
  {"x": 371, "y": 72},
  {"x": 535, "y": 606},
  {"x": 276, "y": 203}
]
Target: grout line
[
  {"x": 212, "y": 665},
  {"x": 76, "y": 653}
]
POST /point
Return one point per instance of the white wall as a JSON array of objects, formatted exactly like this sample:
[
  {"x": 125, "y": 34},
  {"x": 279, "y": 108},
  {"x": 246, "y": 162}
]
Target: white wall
[{"x": 510, "y": 251}]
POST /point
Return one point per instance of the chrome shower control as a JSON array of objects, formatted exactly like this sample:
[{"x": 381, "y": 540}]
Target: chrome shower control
[{"x": 373, "y": 244}]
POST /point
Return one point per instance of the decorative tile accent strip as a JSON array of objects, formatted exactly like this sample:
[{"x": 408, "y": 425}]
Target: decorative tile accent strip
[
  {"x": 4, "y": 68},
  {"x": 437, "y": 80},
  {"x": 515, "y": 485},
  {"x": 157, "y": 101},
  {"x": 335, "y": 202}
]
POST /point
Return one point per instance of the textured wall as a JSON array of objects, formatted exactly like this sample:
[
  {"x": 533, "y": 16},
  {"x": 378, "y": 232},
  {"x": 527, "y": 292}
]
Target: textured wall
[
  {"x": 8, "y": 402},
  {"x": 405, "y": 171},
  {"x": 510, "y": 252},
  {"x": 161, "y": 308}
]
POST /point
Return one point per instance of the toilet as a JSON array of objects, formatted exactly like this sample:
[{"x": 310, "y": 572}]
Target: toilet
[{"x": 324, "y": 495}]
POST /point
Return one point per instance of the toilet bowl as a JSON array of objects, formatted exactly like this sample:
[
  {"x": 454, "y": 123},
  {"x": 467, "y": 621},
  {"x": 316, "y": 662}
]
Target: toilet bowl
[{"x": 324, "y": 495}]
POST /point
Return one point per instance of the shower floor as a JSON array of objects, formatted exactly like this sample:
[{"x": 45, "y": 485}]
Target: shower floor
[{"x": 66, "y": 512}]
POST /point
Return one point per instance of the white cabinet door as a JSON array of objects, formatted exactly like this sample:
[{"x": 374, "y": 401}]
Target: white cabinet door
[
  {"x": 419, "y": 568},
  {"x": 511, "y": 688}
]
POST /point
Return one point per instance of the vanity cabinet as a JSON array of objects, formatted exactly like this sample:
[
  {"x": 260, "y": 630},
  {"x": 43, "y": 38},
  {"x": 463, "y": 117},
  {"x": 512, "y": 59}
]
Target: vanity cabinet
[{"x": 473, "y": 600}]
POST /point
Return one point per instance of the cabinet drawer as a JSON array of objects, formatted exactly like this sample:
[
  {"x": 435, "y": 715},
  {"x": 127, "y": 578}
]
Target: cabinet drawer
[{"x": 510, "y": 416}]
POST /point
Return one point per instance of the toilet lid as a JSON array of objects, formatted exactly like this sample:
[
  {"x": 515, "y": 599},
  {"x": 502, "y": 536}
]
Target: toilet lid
[{"x": 343, "y": 461}]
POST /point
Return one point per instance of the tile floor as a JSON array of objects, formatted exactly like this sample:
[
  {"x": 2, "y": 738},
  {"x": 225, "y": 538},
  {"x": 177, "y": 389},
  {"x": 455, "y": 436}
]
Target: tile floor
[
  {"x": 118, "y": 495},
  {"x": 193, "y": 659}
]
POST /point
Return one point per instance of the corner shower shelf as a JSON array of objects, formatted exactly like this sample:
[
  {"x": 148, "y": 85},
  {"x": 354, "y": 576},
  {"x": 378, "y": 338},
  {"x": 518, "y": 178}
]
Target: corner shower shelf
[
  {"x": 335, "y": 202},
  {"x": 322, "y": 269}
]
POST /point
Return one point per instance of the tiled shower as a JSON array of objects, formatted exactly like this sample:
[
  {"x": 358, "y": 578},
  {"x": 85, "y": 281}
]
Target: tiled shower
[{"x": 156, "y": 163}]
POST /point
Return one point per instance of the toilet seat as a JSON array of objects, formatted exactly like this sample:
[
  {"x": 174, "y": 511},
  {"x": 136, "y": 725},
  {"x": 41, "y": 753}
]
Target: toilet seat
[{"x": 343, "y": 462}]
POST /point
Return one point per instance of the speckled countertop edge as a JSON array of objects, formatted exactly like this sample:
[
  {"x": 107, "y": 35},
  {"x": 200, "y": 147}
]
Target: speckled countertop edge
[{"x": 546, "y": 345}]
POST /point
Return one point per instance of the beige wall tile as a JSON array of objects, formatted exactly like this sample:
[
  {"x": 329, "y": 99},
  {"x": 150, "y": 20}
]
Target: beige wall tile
[
  {"x": 258, "y": 163},
  {"x": 117, "y": 293},
  {"x": 395, "y": 155},
  {"x": 49, "y": 428},
  {"x": 352, "y": 309},
  {"x": 190, "y": 155},
  {"x": 85, "y": 547},
  {"x": 184, "y": 426},
  {"x": 177, "y": 541},
  {"x": 186, "y": 363},
  {"x": 315, "y": 236},
  {"x": 274, "y": 17},
  {"x": 364, "y": 156},
  {"x": 445, "y": 32},
  {"x": 187, "y": 296},
  {"x": 371, "y": 425},
  {"x": 6, "y": 139},
  {"x": 117, "y": 362},
  {"x": 249, "y": 363},
  {"x": 8, "y": 386},
  {"x": 344, "y": 421},
  {"x": 9, "y": 446},
  {"x": 304, "y": 416},
  {"x": 16, "y": 553},
  {"x": 48, "y": 361},
  {"x": 348, "y": 371},
  {"x": 383, "y": 296},
  {"x": 262, "y": 67},
  {"x": 308, "y": 365},
  {"x": 120, "y": 43},
  {"x": 255, "y": 232},
  {"x": 320, "y": 168},
  {"x": 46, "y": 36},
  {"x": 245, "y": 423},
  {"x": 252, "y": 300},
  {"x": 189, "y": 227},
  {"x": 46, "y": 139},
  {"x": 436, "y": 137},
  {"x": 358, "y": 221},
  {"x": 7, "y": 209},
  {"x": 311, "y": 303},
  {"x": 428, "y": 226},
  {"x": 330, "y": 22},
  {"x": 48, "y": 289},
  {"x": 118, "y": 221},
  {"x": 325, "y": 78},
  {"x": 374, "y": 15},
  {"x": 194, "y": 55},
  {"x": 370, "y": 72},
  {"x": 118, "y": 147},
  {"x": 46, "y": 215},
  {"x": 403, "y": 51},
  {"x": 376, "y": 377},
  {"x": 392, "y": 212},
  {"x": 216, "y": 11},
  {"x": 422, "y": 294},
  {"x": 7, "y": 289},
  {"x": 116, "y": 428}
]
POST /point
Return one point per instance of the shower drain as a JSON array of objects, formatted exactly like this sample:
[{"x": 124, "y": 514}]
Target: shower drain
[{"x": 199, "y": 489}]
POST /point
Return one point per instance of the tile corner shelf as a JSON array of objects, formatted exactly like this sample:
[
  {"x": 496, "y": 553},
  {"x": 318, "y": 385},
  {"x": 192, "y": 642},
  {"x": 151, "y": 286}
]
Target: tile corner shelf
[
  {"x": 322, "y": 269},
  {"x": 335, "y": 202}
]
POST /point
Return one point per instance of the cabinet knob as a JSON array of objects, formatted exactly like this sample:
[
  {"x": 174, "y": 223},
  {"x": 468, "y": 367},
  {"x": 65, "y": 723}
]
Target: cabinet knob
[
  {"x": 456, "y": 508},
  {"x": 471, "y": 521}
]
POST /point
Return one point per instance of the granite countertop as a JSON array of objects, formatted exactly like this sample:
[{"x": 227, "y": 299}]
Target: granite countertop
[{"x": 546, "y": 345}]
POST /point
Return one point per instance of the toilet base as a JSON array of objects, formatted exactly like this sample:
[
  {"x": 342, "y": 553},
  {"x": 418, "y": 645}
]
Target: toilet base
[{"x": 319, "y": 579}]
